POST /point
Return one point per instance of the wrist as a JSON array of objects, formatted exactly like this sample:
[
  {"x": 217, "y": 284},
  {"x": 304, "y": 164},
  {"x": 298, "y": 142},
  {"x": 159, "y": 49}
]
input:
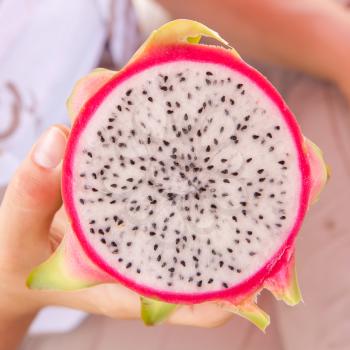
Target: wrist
[
  {"x": 13, "y": 327},
  {"x": 16, "y": 301}
]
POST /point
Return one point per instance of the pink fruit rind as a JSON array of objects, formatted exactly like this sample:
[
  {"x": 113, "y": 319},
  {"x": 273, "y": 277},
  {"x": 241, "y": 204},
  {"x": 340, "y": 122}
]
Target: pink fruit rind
[
  {"x": 162, "y": 55},
  {"x": 79, "y": 264},
  {"x": 87, "y": 87}
]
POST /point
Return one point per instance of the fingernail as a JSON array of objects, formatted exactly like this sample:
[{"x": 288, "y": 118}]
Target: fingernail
[{"x": 49, "y": 150}]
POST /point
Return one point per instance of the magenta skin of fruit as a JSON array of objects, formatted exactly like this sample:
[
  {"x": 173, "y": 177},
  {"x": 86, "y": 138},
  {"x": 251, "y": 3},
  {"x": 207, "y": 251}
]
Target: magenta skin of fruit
[{"x": 198, "y": 53}]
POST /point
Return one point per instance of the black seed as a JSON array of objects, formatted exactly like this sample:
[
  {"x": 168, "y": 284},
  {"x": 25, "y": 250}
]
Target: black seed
[
  {"x": 81, "y": 201},
  {"x": 239, "y": 86},
  {"x": 209, "y": 73},
  {"x": 221, "y": 263},
  {"x": 129, "y": 244},
  {"x": 172, "y": 269},
  {"x": 224, "y": 284},
  {"x": 210, "y": 280},
  {"x": 199, "y": 283},
  {"x": 103, "y": 240},
  {"x": 128, "y": 265},
  {"x": 234, "y": 218},
  {"x": 249, "y": 160},
  {"x": 282, "y": 162}
]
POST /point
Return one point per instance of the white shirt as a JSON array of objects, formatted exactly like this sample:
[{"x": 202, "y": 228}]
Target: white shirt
[{"x": 45, "y": 47}]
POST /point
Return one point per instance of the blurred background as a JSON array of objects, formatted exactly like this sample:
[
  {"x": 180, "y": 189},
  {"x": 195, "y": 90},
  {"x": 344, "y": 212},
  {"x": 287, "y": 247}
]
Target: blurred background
[{"x": 302, "y": 46}]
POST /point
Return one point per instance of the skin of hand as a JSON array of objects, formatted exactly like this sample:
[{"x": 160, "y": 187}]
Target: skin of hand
[
  {"x": 32, "y": 223},
  {"x": 308, "y": 35}
]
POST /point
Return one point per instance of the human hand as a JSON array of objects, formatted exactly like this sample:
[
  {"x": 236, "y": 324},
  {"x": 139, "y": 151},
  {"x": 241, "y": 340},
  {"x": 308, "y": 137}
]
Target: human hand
[{"x": 31, "y": 226}]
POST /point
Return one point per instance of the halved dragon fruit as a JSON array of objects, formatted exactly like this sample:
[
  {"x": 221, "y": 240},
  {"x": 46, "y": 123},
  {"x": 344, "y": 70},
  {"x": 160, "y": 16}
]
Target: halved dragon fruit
[{"x": 186, "y": 179}]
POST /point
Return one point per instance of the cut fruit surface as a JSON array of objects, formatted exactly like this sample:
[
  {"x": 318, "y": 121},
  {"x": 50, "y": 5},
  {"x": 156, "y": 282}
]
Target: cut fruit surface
[
  {"x": 186, "y": 178},
  {"x": 189, "y": 176}
]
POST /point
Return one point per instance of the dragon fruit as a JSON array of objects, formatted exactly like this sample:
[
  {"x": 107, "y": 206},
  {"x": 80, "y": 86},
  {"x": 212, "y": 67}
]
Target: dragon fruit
[{"x": 186, "y": 178}]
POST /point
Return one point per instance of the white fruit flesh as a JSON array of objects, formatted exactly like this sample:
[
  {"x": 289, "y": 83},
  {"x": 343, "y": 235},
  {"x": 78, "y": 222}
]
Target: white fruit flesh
[{"x": 187, "y": 178}]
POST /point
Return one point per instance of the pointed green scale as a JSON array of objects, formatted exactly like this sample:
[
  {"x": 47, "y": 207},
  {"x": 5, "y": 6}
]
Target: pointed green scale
[
  {"x": 154, "y": 311},
  {"x": 54, "y": 274},
  {"x": 252, "y": 313}
]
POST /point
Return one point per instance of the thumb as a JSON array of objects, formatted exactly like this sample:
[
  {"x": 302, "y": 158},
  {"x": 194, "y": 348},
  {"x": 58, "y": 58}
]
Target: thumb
[{"x": 33, "y": 196}]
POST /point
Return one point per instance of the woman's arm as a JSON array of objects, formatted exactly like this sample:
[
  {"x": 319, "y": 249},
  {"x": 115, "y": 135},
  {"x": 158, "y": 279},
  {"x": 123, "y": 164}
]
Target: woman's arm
[
  {"x": 13, "y": 328},
  {"x": 310, "y": 35}
]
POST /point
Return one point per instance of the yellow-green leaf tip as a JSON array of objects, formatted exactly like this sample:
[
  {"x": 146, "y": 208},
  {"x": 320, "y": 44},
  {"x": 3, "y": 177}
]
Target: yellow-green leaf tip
[
  {"x": 53, "y": 274},
  {"x": 154, "y": 312}
]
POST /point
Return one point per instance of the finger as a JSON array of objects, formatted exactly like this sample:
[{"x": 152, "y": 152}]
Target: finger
[
  {"x": 207, "y": 315},
  {"x": 118, "y": 302},
  {"x": 33, "y": 196},
  {"x": 112, "y": 300}
]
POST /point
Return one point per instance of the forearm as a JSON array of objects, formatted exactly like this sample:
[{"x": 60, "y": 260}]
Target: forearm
[
  {"x": 18, "y": 307},
  {"x": 305, "y": 35},
  {"x": 13, "y": 329}
]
